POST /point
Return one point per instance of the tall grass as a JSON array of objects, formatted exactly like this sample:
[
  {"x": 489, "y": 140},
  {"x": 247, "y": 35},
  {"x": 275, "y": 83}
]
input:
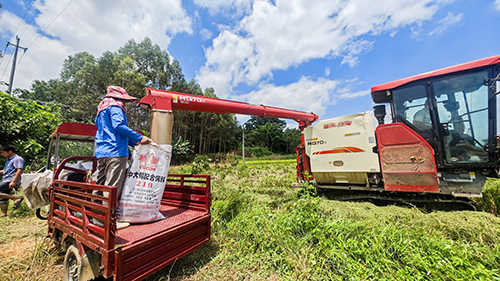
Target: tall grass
[
  {"x": 490, "y": 202},
  {"x": 264, "y": 230}
]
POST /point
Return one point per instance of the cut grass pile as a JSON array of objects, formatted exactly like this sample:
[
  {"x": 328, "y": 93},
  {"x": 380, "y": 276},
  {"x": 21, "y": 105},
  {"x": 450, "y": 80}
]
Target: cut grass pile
[{"x": 263, "y": 229}]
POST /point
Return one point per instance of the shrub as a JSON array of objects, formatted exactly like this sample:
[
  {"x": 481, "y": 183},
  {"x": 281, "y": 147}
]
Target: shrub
[
  {"x": 490, "y": 202},
  {"x": 259, "y": 151},
  {"x": 200, "y": 164}
]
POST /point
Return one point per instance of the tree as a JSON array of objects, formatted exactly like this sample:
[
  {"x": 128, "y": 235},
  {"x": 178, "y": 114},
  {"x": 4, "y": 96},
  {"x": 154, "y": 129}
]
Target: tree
[
  {"x": 255, "y": 122},
  {"x": 271, "y": 133},
  {"x": 26, "y": 125},
  {"x": 84, "y": 78}
]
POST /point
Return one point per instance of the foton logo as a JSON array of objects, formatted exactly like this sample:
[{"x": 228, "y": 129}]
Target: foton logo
[
  {"x": 187, "y": 99},
  {"x": 337, "y": 125},
  {"x": 148, "y": 163}
]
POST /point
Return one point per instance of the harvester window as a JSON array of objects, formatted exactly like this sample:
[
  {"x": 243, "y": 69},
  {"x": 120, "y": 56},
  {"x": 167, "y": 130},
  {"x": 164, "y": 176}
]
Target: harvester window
[
  {"x": 463, "y": 110},
  {"x": 410, "y": 104}
]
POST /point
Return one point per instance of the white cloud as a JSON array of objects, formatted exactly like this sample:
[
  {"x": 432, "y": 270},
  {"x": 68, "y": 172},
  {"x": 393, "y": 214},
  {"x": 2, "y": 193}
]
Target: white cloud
[
  {"x": 232, "y": 8},
  {"x": 307, "y": 94},
  {"x": 497, "y": 4},
  {"x": 276, "y": 37},
  {"x": 448, "y": 21},
  {"x": 327, "y": 71},
  {"x": 206, "y": 34},
  {"x": 92, "y": 26}
]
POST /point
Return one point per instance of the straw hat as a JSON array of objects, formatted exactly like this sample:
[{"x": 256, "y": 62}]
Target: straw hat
[{"x": 119, "y": 93}]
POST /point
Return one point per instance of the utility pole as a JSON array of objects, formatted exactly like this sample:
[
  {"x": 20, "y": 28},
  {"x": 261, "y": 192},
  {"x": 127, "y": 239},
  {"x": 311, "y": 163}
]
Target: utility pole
[
  {"x": 14, "y": 62},
  {"x": 243, "y": 153}
]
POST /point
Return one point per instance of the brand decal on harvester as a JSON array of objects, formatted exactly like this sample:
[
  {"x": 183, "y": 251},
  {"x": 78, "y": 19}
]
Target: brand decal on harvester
[
  {"x": 188, "y": 99},
  {"x": 315, "y": 141},
  {"x": 337, "y": 124},
  {"x": 345, "y": 149}
]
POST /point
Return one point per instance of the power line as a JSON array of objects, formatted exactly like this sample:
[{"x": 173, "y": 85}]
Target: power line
[
  {"x": 6, "y": 66},
  {"x": 17, "y": 65},
  {"x": 23, "y": 18},
  {"x": 3, "y": 55},
  {"x": 43, "y": 31},
  {"x": 34, "y": 17}
]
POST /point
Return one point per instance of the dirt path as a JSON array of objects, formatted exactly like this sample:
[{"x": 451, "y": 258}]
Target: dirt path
[{"x": 25, "y": 253}]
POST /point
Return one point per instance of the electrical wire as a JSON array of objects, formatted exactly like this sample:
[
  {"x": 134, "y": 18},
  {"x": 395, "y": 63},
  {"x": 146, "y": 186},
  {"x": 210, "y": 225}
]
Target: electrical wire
[
  {"x": 7, "y": 66},
  {"x": 34, "y": 17},
  {"x": 17, "y": 65},
  {"x": 31, "y": 6},
  {"x": 43, "y": 31},
  {"x": 3, "y": 55}
]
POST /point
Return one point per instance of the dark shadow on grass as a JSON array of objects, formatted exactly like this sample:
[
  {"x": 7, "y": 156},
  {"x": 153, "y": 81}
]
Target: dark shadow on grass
[
  {"x": 188, "y": 265},
  {"x": 424, "y": 202}
]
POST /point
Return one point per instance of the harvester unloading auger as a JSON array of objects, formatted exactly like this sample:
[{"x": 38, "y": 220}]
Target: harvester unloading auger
[
  {"x": 440, "y": 146},
  {"x": 161, "y": 103}
]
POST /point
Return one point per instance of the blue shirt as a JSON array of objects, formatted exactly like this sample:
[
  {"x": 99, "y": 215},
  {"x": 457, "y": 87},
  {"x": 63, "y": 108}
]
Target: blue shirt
[
  {"x": 113, "y": 134},
  {"x": 9, "y": 171}
]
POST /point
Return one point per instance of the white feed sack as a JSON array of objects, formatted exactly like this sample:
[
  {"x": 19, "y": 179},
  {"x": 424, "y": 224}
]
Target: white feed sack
[
  {"x": 35, "y": 187},
  {"x": 143, "y": 189}
]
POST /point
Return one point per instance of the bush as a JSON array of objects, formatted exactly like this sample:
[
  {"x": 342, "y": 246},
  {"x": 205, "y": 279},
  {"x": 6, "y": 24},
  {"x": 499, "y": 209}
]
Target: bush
[
  {"x": 181, "y": 150},
  {"x": 490, "y": 202},
  {"x": 259, "y": 151},
  {"x": 200, "y": 164},
  {"x": 26, "y": 125}
]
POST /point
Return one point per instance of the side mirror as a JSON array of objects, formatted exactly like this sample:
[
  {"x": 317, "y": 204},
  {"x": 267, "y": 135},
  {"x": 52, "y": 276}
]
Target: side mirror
[{"x": 379, "y": 113}]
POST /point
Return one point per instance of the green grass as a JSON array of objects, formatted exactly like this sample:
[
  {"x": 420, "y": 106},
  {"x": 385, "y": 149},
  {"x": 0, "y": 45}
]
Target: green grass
[{"x": 263, "y": 230}]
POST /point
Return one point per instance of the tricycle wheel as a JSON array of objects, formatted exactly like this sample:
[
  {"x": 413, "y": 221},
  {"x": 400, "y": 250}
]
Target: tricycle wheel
[
  {"x": 43, "y": 212},
  {"x": 72, "y": 264}
]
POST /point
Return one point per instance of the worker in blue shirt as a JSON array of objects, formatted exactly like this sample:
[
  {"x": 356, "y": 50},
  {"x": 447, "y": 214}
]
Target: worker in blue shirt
[
  {"x": 11, "y": 178},
  {"x": 113, "y": 138}
]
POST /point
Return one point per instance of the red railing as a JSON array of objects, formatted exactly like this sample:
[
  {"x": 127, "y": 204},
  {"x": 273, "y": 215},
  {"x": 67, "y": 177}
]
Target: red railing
[
  {"x": 188, "y": 191},
  {"x": 84, "y": 211}
]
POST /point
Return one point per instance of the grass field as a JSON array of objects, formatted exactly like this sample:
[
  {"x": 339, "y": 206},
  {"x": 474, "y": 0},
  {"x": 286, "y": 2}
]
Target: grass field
[{"x": 264, "y": 229}]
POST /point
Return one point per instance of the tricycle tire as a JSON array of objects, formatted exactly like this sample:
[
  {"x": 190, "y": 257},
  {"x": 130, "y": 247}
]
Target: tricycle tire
[
  {"x": 72, "y": 264},
  {"x": 42, "y": 213}
]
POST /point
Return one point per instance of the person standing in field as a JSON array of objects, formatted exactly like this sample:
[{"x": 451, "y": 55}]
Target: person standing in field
[
  {"x": 113, "y": 138},
  {"x": 11, "y": 178}
]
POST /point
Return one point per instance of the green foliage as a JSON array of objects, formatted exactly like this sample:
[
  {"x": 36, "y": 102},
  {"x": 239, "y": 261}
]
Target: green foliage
[
  {"x": 259, "y": 151},
  {"x": 26, "y": 125},
  {"x": 263, "y": 230},
  {"x": 272, "y": 134},
  {"x": 490, "y": 202},
  {"x": 84, "y": 78},
  {"x": 200, "y": 164},
  {"x": 308, "y": 189},
  {"x": 181, "y": 150}
]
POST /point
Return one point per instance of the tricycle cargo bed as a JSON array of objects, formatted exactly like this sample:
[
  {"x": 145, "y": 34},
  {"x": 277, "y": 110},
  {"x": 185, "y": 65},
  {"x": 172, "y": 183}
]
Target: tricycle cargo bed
[
  {"x": 78, "y": 215},
  {"x": 150, "y": 247}
]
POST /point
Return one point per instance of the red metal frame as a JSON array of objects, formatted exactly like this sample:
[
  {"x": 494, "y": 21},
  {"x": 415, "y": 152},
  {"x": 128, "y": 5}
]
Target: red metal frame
[
  {"x": 77, "y": 130},
  {"x": 74, "y": 210},
  {"x": 168, "y": 101},
  {"x": 406, "y": 159},
  {"x": 447, "y": 70},
  {"x": 72, "y": 131}
]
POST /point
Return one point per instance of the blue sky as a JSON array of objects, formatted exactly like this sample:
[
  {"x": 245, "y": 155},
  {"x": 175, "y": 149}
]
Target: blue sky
[{"x": 321, "y": 56}]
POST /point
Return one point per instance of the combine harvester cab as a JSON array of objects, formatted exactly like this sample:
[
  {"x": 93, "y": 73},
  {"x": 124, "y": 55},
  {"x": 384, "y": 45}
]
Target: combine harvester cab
[{"x": 441, "y": 141}]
